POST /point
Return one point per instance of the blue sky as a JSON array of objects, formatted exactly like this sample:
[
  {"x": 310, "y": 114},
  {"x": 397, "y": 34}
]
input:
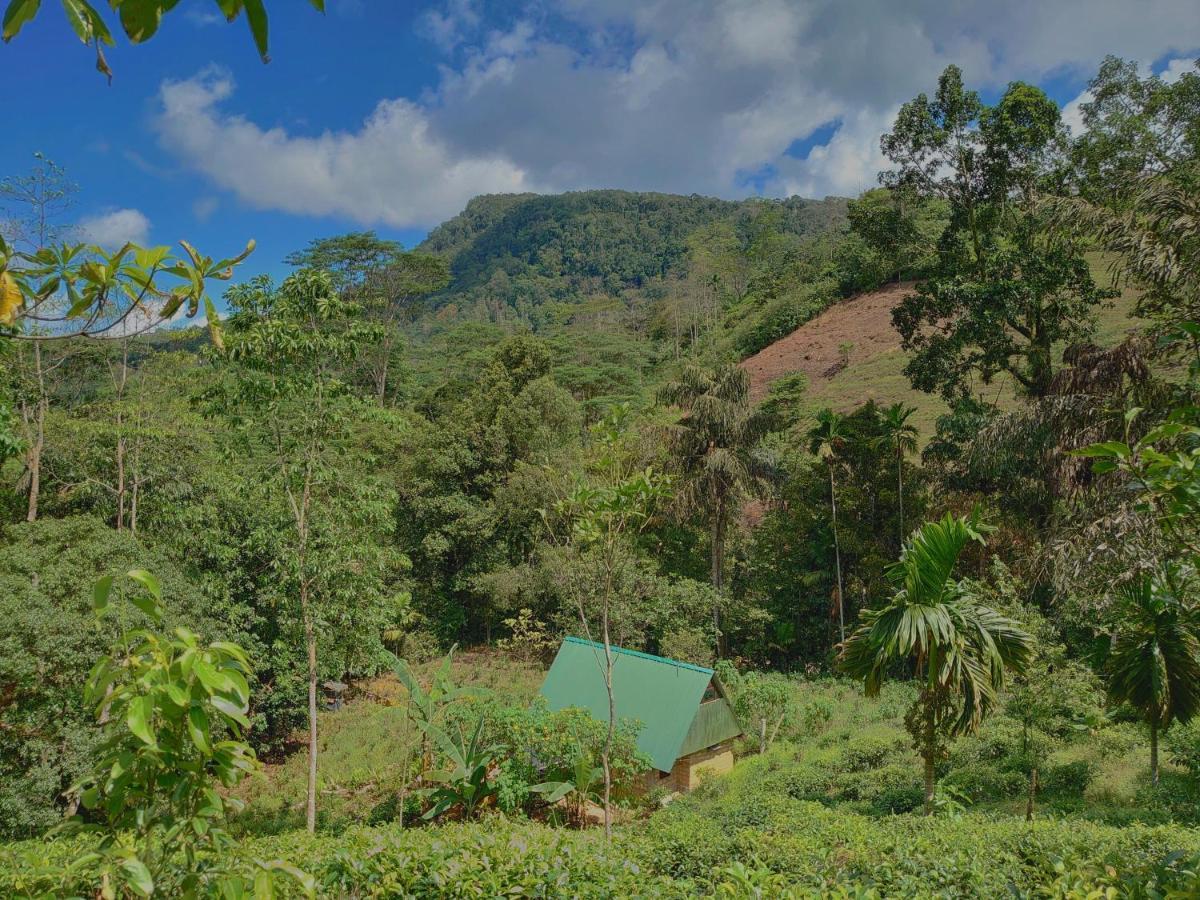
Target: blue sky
[{"x": 390, "y": 115}]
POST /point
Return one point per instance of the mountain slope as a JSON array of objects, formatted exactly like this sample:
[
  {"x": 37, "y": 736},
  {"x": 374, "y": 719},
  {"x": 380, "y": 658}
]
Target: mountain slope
[{"x": 525, "y": 250}]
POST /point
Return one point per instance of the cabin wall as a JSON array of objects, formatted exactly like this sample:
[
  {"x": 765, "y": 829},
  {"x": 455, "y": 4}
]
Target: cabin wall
[{"x": 690, "y": 770}]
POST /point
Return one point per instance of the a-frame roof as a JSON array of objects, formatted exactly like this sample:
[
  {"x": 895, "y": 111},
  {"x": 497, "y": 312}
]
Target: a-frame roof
[{"x": 664, "y": 695}]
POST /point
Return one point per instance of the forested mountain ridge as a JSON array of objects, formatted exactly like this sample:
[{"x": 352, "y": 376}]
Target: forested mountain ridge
[{"x": 517, "y": 252}]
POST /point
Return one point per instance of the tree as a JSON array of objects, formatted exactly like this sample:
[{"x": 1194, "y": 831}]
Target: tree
[
  {"x": 900, "y": 227},
  {"x": 139, "y": 20},
  {"x": 350, "y": 259},
  {"x": 386, "y": 280},
  {"x": 33, "y": 207},
  {"x": 1154, "y": 659},
  {"x": 285, "y": 394},
  {"x": 1010, "y": 284},
  {"x": 714, "y": 448},
  {"x": 959, "y": 649},
  {"x": 602, "y": 518},
  {"x": 899, "y": 437},
  {"x": 826, "y": 439},
  {"x": 1134, "y": 127}
]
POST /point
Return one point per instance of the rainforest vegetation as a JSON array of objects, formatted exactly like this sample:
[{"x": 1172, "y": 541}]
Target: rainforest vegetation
[{"x": 277, "y": 591}]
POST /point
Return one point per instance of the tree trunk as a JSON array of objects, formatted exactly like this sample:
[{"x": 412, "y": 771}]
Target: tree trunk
[
  {"x": 606, "y": 756},
  {"x": 33, "y": 455},
  {"x": 120, "y": 479},
  {"x": 927, "y": 753},
  {"x": 1033, "y": 786},
  {"x": 1154, "y": 753},
  {"x": 718, "y": 571},
  {"x": 837, "y": 555},
  {"x": 310, "y": 639},
  {"x": 33, "y": 459},
  {"x": 929, "y": 785},
  {"x": 900, "y": 489}
]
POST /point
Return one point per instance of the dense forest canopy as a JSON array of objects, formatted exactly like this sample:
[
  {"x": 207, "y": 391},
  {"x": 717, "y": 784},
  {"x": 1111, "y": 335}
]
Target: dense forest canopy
[{"x": 538, "y": 422}]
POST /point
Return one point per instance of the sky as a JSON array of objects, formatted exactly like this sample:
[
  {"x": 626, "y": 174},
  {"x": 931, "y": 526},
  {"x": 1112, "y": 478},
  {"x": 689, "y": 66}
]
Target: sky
[{"x": 390, "y": 115}]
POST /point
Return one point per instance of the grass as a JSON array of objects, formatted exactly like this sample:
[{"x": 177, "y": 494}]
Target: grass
[
  {"x": 361, "y": 746},
  {"x": 881, "y": 377}
]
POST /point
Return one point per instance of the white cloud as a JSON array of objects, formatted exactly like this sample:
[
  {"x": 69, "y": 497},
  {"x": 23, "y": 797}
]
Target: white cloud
[
  {"x": 672, "y": 95},
  {"x": 115, "y": 228},
  {"x": 204, "y": 207},
  {"x": 394, "y": 170},
  {"x": 1177, "y": 68}
]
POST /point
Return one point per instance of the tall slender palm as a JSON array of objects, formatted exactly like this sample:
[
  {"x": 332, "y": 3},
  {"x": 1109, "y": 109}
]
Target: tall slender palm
[
  {"x": 959, "y": 649},
  {"x": 826, "y": 439},
  {"x": 1154, "y": 662},
  {"x": 714, "y": 448},
  {"x": 900, "y": 437}
]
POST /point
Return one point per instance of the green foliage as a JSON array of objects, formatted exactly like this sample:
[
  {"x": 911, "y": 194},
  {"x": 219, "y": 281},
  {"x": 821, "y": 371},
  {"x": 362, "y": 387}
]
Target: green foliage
[
  {"x": 467, "y": 783},
  {"x": 960, "y": 648},
  {"x": 1008, "y": 285},
  {"x": 172, "y": 710},
  {"x": 762, "y": 701},
  {"x": 49, "y": 640},
  {"x": 139, "y": 20},
  {"x": 130, "y": 289}
]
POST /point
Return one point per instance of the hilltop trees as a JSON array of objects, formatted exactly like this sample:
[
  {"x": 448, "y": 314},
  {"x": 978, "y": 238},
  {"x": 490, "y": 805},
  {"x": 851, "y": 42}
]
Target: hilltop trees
[{"x": 1009, "y": 286}]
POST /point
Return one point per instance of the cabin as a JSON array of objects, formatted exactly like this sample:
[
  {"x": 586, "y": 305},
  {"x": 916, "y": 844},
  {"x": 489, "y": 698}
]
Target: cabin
[{"x": 686, "y": 718}]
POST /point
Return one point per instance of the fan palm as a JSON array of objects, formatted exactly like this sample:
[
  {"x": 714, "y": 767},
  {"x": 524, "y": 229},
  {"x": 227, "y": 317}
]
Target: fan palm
[
  {"x": 899, "y": 436},
  {"x": 960, "y": 649},
  {"x": 1154, "y": 661},
  {"x": 827, "y": 439},
  {"x": 714, "y": 449}
]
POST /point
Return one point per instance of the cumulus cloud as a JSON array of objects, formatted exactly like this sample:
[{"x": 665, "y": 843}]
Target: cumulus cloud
[
  {"x": 115, "y": 228},
  {"x": 394, "y": 170},
  {"x": 677, "y": 95}
]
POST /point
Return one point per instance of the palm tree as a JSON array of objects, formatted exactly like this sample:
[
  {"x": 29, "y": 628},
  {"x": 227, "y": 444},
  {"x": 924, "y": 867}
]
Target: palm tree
[
  {"x": 714, "y": 448},
  {"x": 1154, "y": 660},
  {"x": 958, "y": 648},
  {"x": 826, "y": 439},
  {"x": 898, "y": 435}
]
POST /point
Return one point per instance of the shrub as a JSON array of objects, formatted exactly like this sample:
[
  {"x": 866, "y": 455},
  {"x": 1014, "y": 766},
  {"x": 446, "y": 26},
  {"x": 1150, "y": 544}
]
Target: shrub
[{"x": 48, "y": 642}]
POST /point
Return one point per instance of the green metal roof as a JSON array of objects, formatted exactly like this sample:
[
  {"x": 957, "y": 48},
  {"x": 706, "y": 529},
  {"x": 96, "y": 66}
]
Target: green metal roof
[{"x": 664, "y": 695}]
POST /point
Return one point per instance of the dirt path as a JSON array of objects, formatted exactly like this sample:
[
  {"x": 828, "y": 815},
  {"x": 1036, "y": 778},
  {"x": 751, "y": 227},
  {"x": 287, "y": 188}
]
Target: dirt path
[{"x": 816, "y": 347}]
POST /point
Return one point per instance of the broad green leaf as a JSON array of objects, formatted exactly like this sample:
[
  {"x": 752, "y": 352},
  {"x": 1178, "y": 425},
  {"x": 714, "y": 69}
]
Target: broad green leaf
[
  {"x": 148, "y": 606},
  {"x": 140, "y": 18},
  {"x": 231, "y": 710},
  {"x": 210, "y": 677},
  {"x": 141, "y": 711},
  {"x": 17, "y": 14},
  {"x": 256, "y": 15},
  {"x": 198, "y": 728},
  {"x": 148, "y": 581},
  {"x": 100, "y": 594},
  {"x": 137, "y": 876}
]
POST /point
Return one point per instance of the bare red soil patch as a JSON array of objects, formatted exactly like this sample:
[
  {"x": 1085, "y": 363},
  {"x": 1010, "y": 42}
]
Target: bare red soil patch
[{"x": 818, "y": 348}]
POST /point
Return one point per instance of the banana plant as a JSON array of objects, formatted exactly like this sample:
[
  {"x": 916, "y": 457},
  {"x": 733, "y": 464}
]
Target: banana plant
[
  {"x": 583, "y": 786},
  {"x": 467, "y": 784}
]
